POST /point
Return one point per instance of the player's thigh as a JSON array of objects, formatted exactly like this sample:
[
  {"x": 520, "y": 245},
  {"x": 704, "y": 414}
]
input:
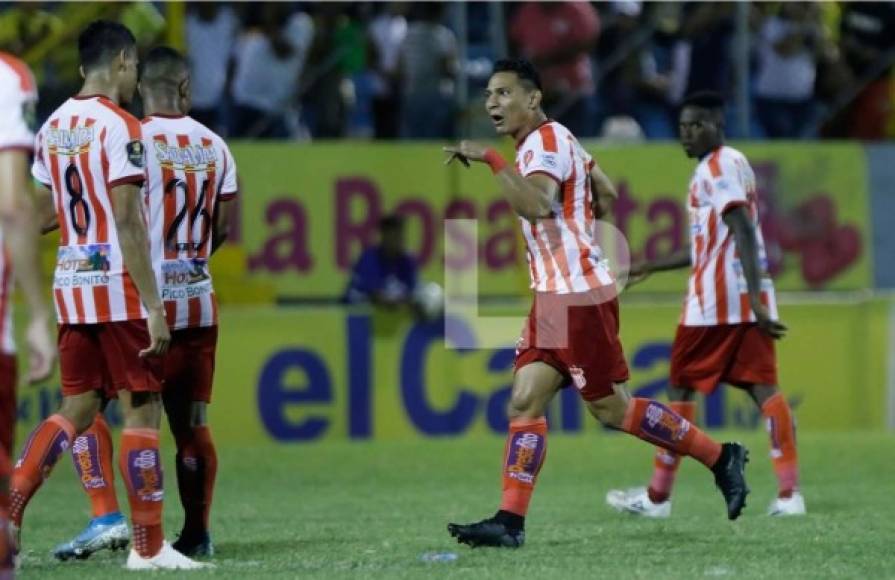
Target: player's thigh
[
  {"x": 701, "y": 355},
  {"x": 121, "y": 343},
  {"x": 534, "y": 385},
  {"x": 754, "y": 365},
  {"x": 82, "y": 366}
]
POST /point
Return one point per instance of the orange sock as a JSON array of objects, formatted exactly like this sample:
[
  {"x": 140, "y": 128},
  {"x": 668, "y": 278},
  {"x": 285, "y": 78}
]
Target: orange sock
[
  {"x": 782, "y": 431},
  {"x": 197, "y": 466},
  {"x": 141, "y": 468},
  {"x": 525, "y": 452},
  {"x": 656, "y": 423},
  {"x": 666, "y": 462},
  {"x": 41, "y": 452},
  {"x": 92, "y": 454}
]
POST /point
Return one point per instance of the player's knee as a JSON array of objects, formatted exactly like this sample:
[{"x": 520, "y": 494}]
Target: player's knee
[{"x": 523, "y": 404}]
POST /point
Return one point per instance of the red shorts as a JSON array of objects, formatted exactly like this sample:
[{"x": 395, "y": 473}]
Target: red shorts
[
  {"x": 8, "y": 379},
  {"x": 106, "y": 357},
  {"x": 189, "y": 364},
  {"x": 591, "y": 356},
  {"x": 738, "y": 354}
]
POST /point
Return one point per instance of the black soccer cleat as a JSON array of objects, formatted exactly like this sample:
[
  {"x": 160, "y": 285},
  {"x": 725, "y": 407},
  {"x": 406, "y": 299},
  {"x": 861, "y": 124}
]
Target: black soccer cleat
[
  {"x": 730, "y": 477},
  {"x": 194, "y": 545},
  {"x": 489, "y": 532}
]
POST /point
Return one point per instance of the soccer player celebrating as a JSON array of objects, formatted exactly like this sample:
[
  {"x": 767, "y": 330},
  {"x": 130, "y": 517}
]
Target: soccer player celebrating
[
  {"x": 729, "y": 322},
  {"x": 191, "y": 176},
  {"x": 571, "y": 335},
  {"x": 112, "y": 327},
  {"x": 18, "y": 237}
]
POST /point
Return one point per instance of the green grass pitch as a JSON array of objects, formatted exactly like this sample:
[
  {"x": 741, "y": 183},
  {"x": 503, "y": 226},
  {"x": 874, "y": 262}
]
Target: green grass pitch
[{"x": 371, "y": 510}]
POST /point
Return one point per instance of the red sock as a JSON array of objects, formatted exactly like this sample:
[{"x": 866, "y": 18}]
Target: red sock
[
  {"x": 197, "y": 467},
  {"x": 141, "y": 468},
  {"x": 666, "y": 462},
  {"x": 525, "y": 452},
  {"x": 41, "y": 452},
  {"x": 656, "y": 423},
  {"x": 782, "y": 431},
  {"x": 92, "y": 454}
]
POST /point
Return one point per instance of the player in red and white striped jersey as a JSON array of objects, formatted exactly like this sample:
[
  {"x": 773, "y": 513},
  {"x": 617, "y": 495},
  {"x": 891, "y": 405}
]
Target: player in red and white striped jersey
[
  {"x": 18, "y": 240},
  {"x": 112, "y": 327},
  {"x": 190, "y": 177},
  {"x": 729, "y": 323},
  {"x": 571, "y": 336}
]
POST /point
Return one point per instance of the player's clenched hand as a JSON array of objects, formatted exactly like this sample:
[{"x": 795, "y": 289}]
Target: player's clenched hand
[
  {"x": 41, "y": 350},
  {"x": 159, "y": 335},
  {"x": 774, "y": 328},
  {"x": 465, "y": 152}
]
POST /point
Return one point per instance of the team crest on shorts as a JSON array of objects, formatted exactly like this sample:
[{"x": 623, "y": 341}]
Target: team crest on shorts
[{"x": 578, "y": 377}]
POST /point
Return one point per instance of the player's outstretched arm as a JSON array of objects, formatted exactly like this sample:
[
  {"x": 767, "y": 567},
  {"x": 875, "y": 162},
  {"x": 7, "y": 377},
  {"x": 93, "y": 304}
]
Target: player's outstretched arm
[
  {"x": 531, "y": 197},
  {"x": 737, "y": 219},
  {"x": 20, "y": 229},
  {"x": 134, "y": 243}
]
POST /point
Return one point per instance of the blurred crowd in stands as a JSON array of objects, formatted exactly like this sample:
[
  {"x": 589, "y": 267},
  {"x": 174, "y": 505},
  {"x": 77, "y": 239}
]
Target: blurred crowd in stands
[{"x": 416, "y": 70}]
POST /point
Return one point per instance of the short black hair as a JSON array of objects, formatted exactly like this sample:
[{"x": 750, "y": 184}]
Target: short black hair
[
  {"x": 704, "y": 100},
  {"x": 101, "y": 41},
  {"x": 391, "y": 222},
  {"x": 526, "y": 71},
  {"x": 163, "y": 65}
]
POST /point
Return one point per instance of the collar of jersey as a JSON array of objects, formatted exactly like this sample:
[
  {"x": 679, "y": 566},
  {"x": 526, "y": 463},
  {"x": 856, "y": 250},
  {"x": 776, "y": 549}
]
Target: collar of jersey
[{"x": 521, "y": 141}]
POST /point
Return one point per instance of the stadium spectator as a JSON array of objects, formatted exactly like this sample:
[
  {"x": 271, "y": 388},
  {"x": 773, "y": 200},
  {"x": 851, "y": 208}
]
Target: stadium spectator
[
  {"x": 866, "y": 33},
  {"x": 707, "y": 31},
  {"x": 327, "y": 86},
  {"x": 269, "y": 65},
  {"x": 386, "y": 34},
  {"x": 211, "y": 33},
  {"x": 384, "y": 275},
  {"x": 788, "y": 46},
  {"x": 558, "y": 37},
  {"x": 427, "y": 69}
]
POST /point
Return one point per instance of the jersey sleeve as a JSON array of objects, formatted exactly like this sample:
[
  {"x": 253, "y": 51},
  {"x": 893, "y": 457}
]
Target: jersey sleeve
[
  {"x": 727, "y": 188},
  {"x": 229, "y": 182},
  {"x": 541, "y": 153},
  {"x": 125, "y": 152},
  {"x": 39, "y": 167}
]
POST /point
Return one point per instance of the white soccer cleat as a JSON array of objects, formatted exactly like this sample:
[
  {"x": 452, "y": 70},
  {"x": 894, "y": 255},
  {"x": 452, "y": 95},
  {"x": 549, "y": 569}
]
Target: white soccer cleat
[
  {"x": 167, "y": 559},
  {"x": 636, "y": 501},
  {"x": 793, "y": 505}
]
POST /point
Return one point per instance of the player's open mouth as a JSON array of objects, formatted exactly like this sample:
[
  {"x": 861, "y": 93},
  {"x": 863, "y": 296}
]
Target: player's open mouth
[{"x": 497, "y": 120}]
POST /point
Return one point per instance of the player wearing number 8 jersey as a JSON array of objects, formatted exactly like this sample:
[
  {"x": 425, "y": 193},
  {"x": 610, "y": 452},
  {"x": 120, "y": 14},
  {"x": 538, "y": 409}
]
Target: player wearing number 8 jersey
[
  {"x": 112, "y": 326},
  {"x": 190, "y": 175}
]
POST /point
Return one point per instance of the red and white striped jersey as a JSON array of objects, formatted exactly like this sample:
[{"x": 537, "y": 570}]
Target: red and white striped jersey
[
  {"x": 189, "y": 170},
  {"x": 717, "y": 291},
  {"x": 18, "y": 96},
  {"x": 563, "y": 256},
  {"x": 86, "y": 148}
]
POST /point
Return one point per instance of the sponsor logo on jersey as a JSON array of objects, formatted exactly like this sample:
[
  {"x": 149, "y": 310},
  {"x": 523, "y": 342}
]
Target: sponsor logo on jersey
[
  {"x": 69, "y": 142},
  {"x": 189, "y": 158}
]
